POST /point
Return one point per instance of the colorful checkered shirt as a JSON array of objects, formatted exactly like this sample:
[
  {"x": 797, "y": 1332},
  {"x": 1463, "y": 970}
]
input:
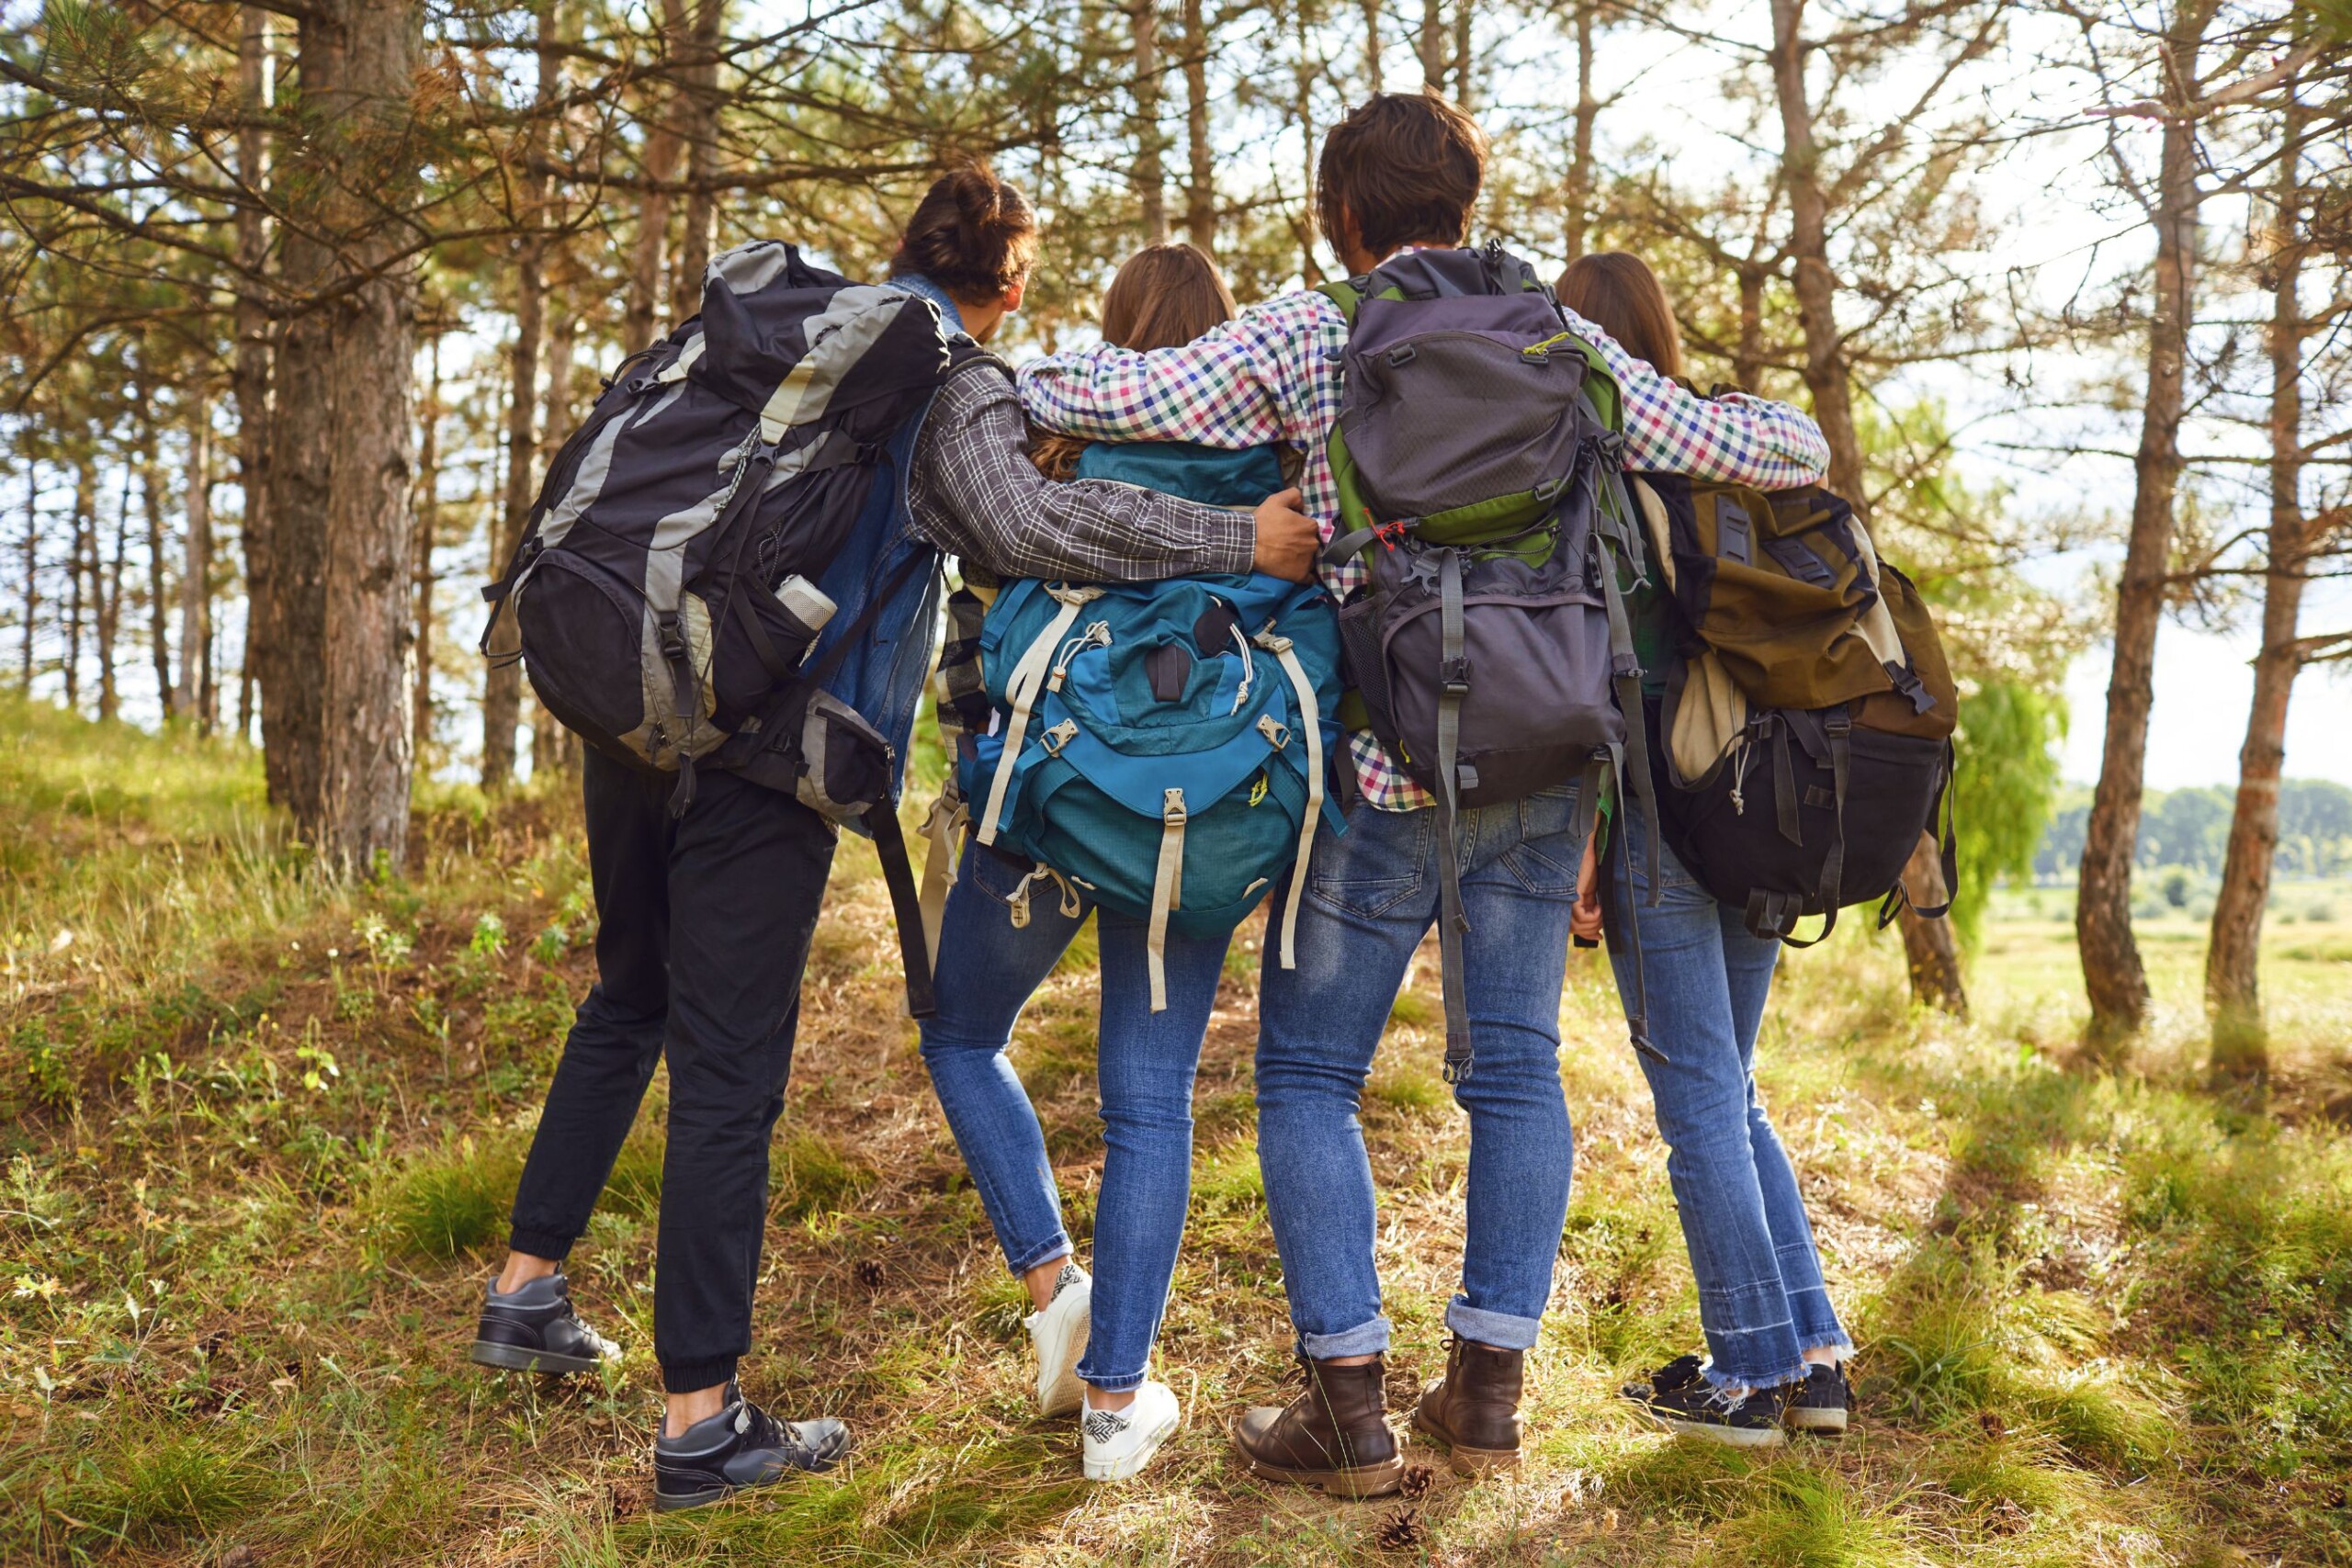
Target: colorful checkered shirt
[{"x": 1274, "y": 375}]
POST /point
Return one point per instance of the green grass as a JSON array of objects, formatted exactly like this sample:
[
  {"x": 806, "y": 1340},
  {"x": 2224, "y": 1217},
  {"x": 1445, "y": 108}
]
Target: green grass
[{"x": 258, "y": 1132}]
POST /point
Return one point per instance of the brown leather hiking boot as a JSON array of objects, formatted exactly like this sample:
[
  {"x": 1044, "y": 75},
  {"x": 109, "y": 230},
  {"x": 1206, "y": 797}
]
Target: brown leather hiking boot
[
  {"x": 1474, "y": 1409},
  {"x": 1334, "y": 1434}
]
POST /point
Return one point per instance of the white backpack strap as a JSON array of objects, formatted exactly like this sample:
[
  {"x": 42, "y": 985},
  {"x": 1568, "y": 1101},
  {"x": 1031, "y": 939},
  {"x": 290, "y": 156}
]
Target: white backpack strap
[
  {"x": 1028, "y": 681},
  {"x": 1311, "y": 720},
  {"x": 944, "y": 827},
  {"x": 1167, "y": 892},
  {"x": 1876, "y": 627}
]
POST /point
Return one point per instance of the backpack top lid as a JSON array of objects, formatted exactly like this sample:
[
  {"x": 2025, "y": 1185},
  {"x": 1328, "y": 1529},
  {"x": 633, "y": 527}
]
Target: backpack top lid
[
  {"x": 796, "y": 344},
  {"x": 1213, "y": 476}
]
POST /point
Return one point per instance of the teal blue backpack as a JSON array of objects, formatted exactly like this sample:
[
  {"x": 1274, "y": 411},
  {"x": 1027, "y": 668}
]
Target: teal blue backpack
[{"x": 1161, "y": 745}]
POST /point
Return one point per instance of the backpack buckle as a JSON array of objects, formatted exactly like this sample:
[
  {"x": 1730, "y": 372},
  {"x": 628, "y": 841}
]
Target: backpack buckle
[
  {"x": 1453, "y": 675},
  {"x": 1839, "y": 724}
]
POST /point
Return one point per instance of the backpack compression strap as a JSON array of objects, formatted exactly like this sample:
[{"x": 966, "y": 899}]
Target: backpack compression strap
[
  {"x": 1167, "y": 892},
  {"x": 1027, "y": 683},
  {"x": 1311, "y": 719},
  {"x": 1454, "y": 684}
]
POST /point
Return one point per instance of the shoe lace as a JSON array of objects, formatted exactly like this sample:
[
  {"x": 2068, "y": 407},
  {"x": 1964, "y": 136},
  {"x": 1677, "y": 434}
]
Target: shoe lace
[{"x": 760, "y": 1430}]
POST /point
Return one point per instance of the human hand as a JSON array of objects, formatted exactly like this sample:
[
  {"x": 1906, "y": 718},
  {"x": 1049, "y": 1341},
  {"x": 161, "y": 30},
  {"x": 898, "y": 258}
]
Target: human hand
[
  {"x": 1287, "y": 538},
  {"x": 1584, "y": 918}
]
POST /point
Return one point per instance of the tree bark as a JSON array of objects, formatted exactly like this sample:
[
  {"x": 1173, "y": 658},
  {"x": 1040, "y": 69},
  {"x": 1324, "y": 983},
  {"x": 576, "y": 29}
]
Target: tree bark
[
  {"x": 1462, "y": 52},
  {"x": 1748, "y": 357},
  {"x": 554, "y": 750},
  {"x": 159, "y": 620},
  {"x": 663, "y": 144},
  {"x": 699, "y": 79},
  {"x": 342, "y": 458},
  {"x": 191, "y": 696},
  {"x": 428, "y": 515},
  {"x": 32, "y": 568},
  {"x": 2233, "y": 980},
  {"x": 86, "y": 551},
  {"x": 1580, "y": 184},
  {"x": 1928, "y": 950},
  {"x": 502, "y": 698},
  {"x": 1432, "y": 42},
  {"x": 1151, "y": 174},
  {"x": 249, "y": 388},
  {"x": 2112, "y": 972},
  {"x": 1200, "y": 190},
  {"x": 106, "y": 590},
  {"x": 1372, "y": 45},
  {"x": 1927, "y": 945}
]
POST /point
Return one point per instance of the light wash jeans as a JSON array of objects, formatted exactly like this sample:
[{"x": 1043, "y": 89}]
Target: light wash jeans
[
  {"x": 1372, "y": 896},
  {"x": 1145, "y": 1063},
  {"x": 1761, "y": 1300}
]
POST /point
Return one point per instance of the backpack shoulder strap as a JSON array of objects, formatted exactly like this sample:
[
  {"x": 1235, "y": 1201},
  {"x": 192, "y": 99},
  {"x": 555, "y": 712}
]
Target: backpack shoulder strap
[{"x": 1344, "y": 293}]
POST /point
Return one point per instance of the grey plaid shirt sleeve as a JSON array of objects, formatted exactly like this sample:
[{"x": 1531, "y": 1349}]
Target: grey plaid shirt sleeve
[{"x": 974, "y": 493}]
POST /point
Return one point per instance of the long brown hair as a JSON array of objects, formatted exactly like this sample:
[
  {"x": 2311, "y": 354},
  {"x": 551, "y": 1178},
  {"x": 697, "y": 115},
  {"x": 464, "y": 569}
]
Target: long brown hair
[
  {"x": 972, "y": 233},
  {"x": 1616, "y": 291},
  {"x": 1161, "y": 296}
]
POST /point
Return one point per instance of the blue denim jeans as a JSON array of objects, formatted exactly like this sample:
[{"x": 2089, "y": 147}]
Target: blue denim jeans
[
  {"x": 1372, "y": 895},
  {"x": 1761, "y": 1300},
  {"x": 1145, "y": 1063}
]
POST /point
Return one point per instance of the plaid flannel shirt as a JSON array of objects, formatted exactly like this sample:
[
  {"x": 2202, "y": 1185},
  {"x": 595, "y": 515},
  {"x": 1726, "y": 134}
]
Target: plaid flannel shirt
[{"x": 1274, "y": 375}]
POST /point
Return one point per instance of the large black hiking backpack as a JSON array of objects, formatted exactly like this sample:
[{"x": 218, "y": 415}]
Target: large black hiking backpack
[
  {"x": 1477, "y": 455},
  {"x": 1805, "y": 740},
  {"x": 663, "y": 591}
]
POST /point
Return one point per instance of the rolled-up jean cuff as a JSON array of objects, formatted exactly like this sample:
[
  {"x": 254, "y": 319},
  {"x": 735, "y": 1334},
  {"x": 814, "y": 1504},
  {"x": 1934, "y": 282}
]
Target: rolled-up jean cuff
[
  {"x": 1499, "y": 1329},
  {"x": 539, "y": 1244},
  {"x": 1364, "y": 1339},
  {"x": 1043, "y": 1253},
  {"x": 1843, "y": 1347},
  {"x": 1724, "y": 1383}
]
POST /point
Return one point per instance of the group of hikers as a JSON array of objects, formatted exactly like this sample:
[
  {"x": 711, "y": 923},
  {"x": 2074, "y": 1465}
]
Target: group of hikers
[{"x": 1194, "y": 446}]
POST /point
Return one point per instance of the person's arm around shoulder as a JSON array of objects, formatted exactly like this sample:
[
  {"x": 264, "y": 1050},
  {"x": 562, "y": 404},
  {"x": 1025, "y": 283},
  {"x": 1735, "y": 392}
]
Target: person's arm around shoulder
[
  {"x": 1261, "y": 377},
  {"x": 1736, "y": 438},
  {"x": 975, "y": 493}
]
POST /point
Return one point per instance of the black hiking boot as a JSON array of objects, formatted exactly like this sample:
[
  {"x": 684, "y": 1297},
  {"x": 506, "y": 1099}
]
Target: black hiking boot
[
  {"x": 1679, "y": 1399},
  {"x": 742, "y": 1446},
  {"x": 533, "y": 1329},
  {"x": 1819, "y": 1403}
]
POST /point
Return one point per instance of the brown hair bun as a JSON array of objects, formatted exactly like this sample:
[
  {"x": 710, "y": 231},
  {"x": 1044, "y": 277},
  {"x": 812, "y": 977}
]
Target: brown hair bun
[{"x": 972, "y": 233}]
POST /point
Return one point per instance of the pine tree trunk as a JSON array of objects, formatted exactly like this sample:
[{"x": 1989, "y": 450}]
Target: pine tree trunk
[
  {"x": 1462, "y": 53},
  {"x": 1748, "y": 358},
  {"x": 663, "y": 141},
  {"x": 700, "y": 78},
  {"x": 1580, "y": 184},
  {"x": 342, "y": 458},
  {"x": 249, "y": 388},
  {"x": 2233, "y": 980},
  {"x": 107, "y": 587},
  {"x": 2112, "y": 972},
  {"x": 1151, "y": 174},
  {"x": 1432, "y": 42},
  {"x": 428, "y": 515},
  {"x": 1372, "y": 44},
  {"x": 1927, "y": 945},
  {"x": 32, "y": 569},
  {"x": 1200, "y": 190},
  {"x": 86, "y": 550},
  {"x": 189, "y": 695},
  {"x": 159, "y": 620},
  {"x": 554, "y": 752}
]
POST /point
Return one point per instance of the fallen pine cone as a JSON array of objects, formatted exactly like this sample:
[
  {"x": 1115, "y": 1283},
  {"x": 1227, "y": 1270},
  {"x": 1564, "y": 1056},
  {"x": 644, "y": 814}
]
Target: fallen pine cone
[
  {"x": 1419, "y": 1479},
  {"x": 869, "y": 1273},
  {"x": 1400, "y": 1531}
]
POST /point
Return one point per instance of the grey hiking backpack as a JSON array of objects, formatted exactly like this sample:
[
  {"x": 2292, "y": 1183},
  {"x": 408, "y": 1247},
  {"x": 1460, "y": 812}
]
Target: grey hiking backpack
[
  {"x": 664, "y": 590},
  {"x": 1477, "y": 459}
]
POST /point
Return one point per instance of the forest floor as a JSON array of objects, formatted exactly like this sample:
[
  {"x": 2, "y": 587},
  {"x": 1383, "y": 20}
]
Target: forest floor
[{"x": 257, "y": 1134}]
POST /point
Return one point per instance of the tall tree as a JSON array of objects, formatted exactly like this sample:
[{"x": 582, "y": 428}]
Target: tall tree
[
  {"x": 698, "y": 81},
  {"x": 502, "y": 701},
  {"x": 151, "y": 504},
  {"x": 1200, "y": 188},
  {"x": 2112, "y": 972},
  {"x": 428, "y": 516},
  {"x": 249, "y": 385},
  {"x": 342, "y": 463},
  {"x": 1151, "y": 174},
  {"x": 193, "y": 695},
  {"x": 665, "y": 136}
]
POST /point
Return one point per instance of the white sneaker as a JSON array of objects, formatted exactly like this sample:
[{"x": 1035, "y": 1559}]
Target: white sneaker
[
  {"x": 1118, "y": 1443},
  {"x": 1059, "y": 1331}
]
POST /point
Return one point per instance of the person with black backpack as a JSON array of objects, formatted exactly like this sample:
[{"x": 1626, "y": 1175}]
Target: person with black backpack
[
  {"x": 1512, "y": 414},
  {"x": 1754, "y": 833},
  {"x": 708, "y": 878}
]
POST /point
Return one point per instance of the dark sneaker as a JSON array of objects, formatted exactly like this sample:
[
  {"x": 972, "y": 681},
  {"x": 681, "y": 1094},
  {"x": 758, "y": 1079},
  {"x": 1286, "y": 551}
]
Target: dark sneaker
[
  {"x": 1818, "y": 1404},
  {"x": 1679, "y": 1399},
  {"x": 742, "y": 1446},
  {"x": 534, "y": 1329}
]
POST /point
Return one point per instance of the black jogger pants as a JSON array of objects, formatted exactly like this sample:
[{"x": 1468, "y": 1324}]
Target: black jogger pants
[{"x": 702, "y": 929}]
